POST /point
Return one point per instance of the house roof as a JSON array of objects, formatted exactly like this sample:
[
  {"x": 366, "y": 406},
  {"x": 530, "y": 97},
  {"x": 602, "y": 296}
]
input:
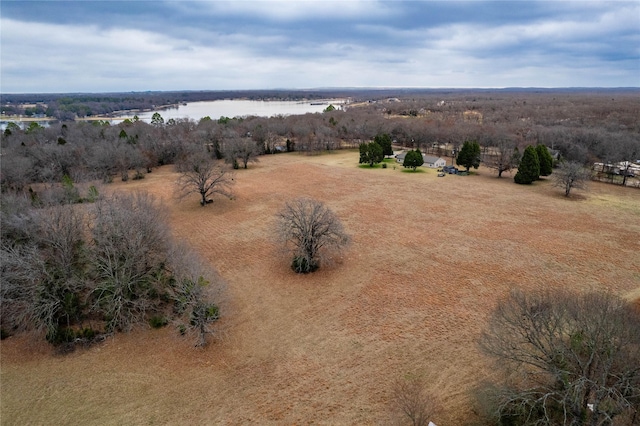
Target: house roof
[{"x": 430, "y": 158}]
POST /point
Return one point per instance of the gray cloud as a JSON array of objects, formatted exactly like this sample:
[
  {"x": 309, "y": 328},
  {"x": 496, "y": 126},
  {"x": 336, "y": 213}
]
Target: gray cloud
[{"x": 57, "y": 46}]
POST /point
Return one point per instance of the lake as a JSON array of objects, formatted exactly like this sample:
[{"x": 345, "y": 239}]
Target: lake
[
  {"x": 240, "y": 108},
  {"x": 216, "y": 109}
]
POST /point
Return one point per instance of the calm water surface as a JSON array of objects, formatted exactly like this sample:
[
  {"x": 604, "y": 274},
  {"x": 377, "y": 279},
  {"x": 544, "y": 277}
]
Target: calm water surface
[
  {"x": 227, "y": 108},
  {"x": 240, "y": 108}
]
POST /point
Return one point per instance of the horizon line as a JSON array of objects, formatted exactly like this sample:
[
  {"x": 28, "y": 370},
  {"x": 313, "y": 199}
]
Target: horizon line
[{"x": 345, "y": 88}]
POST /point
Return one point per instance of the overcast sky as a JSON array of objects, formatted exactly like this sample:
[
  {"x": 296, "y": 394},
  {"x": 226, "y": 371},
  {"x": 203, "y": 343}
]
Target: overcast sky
[{"x": 113, "y": 46}]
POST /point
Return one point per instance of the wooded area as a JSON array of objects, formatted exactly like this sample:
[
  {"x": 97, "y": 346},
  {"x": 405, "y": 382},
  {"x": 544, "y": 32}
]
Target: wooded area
[{"x": 586, "y": 127}]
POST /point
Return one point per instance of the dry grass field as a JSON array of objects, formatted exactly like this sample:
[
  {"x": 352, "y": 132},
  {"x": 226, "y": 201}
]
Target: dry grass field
[{"x": 429, "y": 258}]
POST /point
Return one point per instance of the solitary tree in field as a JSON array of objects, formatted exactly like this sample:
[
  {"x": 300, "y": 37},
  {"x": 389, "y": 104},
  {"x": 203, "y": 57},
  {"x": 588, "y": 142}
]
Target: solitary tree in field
[
  {"x": 309, "y": 231},
  {"x": 529, "y": 168},
  {"x": 545, "y": 159},
  {"x": 371, "y": 153},
  {"x": 411, "y": 397},
  {"x": 571, "y": 175},
  {"x": 384, "y": 140},
  {"x": 413, "y": 160},
  {"x": 199, "y": 174},
  {"x": 568, "y": 359}
]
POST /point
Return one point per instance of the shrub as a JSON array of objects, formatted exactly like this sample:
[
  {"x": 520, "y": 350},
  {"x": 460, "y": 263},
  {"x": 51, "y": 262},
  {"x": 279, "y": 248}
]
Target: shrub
[
  {"x": 92, "y": 194},
  {"x": 71, "y": 194},
  {"x": 87, "y": 333},
  {"x": 158, "y": 321}
]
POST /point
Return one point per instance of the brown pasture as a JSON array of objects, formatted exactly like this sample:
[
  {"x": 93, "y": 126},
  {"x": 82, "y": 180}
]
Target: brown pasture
[{"x": 429, "y": 258}]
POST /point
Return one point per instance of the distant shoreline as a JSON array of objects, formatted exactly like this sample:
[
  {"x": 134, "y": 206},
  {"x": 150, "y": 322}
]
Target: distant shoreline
[
  {"x": 24, "y": 118},
  {"x": 119, "y": 115}
]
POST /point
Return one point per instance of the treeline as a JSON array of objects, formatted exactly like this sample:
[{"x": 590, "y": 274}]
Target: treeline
[
  {"x": 582, "y": 127},
  {"x": 585, "y": 127}
]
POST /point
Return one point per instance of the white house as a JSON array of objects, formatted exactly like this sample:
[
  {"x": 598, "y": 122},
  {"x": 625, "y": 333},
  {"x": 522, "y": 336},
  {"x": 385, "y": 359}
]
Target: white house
[
  {"x": 429, "y": 160},
  {"x": 433, "y": 162}
]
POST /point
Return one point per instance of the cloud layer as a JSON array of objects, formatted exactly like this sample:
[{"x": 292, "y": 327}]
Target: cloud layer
[{"x": 107, "y": 46}]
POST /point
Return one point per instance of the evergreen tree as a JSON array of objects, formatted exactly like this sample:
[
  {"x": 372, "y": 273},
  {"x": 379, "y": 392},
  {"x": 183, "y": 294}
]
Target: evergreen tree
[
  {"x": 384, "y": 140},
  {"x": 469, "y": 155},
  {"x": 413, "y": 159},
  {"x": 370, "y": 153},
  {"x": 545, "y": 159},
  {"x": 157, "y": 120},
  {"x": 529, "y": 168}
]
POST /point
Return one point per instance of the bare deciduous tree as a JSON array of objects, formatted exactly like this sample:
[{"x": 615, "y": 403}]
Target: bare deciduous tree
[
  {"x": 130, "y": 245},
  {"x": 571, "y": 175},
  {"x": 194, "y": 294},
  {"x": 411, "y": 397},
  {"x": 503, "y": 157},
  {"x": 126, "y": 270},
  {"x": 243, "y": 149},
  {"x": 309, "y": 230},
  {"x": 21, "y": 272},
  {"x": 569, "y": 358},
  {"x": 17, "y": 173},
  {"x": 42, "y": 275},
  {"x": 201, "y": 175}
]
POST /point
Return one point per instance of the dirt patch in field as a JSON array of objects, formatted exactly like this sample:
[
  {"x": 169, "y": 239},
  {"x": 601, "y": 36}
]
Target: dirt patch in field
[{"x": 429, "y": 258}]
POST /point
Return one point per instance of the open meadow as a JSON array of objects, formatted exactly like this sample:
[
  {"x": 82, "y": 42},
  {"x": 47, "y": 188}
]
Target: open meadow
[{"x": 429, "y": 258}]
